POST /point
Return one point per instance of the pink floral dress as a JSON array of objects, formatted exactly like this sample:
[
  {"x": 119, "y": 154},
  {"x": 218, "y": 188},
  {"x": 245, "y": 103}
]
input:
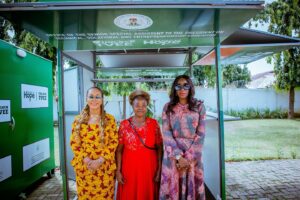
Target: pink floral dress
[{"x": 183, "y": 134}]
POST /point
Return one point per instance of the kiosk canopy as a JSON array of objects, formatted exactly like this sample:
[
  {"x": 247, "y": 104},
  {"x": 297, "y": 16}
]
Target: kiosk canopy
[{"x": 117, "y": 25}]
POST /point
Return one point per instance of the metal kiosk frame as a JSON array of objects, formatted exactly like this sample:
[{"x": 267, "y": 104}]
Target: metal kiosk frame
[{"x": 148, "y": 34}]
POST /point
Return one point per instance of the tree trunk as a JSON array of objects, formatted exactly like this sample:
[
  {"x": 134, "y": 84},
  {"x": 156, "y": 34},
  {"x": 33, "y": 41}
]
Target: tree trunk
[
  {"x": 124, "y": 107},
  {"x": 291, "y": 102}
]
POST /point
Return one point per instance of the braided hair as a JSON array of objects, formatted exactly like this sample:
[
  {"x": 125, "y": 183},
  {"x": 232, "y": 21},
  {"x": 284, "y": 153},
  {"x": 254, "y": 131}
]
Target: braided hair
[{"x": 84, "y": 116}]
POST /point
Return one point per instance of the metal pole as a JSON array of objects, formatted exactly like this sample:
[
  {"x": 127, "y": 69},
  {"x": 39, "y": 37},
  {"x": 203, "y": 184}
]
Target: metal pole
[
  {"x": 190, "y": 62},
  {"x": 132, "y": 80},
  {"x": 220, "y": 103},
  {"x": 61, "y": 126},
  {"x": 94, "y": 66}
]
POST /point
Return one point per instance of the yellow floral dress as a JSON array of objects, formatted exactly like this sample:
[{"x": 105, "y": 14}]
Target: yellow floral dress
[{"x": 100, "y": 184}]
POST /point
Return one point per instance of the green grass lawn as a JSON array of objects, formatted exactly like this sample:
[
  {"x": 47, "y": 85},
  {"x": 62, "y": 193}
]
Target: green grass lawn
[{"x": 262, "y": 139}]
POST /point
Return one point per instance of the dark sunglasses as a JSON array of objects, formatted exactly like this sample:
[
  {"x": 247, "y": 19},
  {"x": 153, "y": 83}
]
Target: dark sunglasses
[
  {"x": 96, "y": 97},
  {"x": 180, "y": 87}
]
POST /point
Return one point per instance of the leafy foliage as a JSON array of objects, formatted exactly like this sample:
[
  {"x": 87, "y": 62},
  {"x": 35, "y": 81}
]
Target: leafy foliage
[
  {"x": 21, "y": 38},
  {"x": 205, "y": 75},
  {"x": 282, "y": 17},
  {"x": 233, "y": 75},
  {"x": 251, "y": 113},
  {"x": 119, "y": 88},
  {"x": 236, "y": 75}
]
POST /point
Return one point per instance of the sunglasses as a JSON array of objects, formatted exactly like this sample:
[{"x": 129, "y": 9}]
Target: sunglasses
[
  {"x": 180, "y": 87},
  {"x": 96, "y": 97}
]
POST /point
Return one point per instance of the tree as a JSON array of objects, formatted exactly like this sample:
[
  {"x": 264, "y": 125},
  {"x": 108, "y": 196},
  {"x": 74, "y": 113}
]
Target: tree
[
  {"x": 232, "y": 75},
  {"x": 205, "y": 75},
  {"x": 282, "y": 17},
  {"x": 37, "y": 46},
  {"x": 118, "y": 88},
  {"x": 236, "y": 75},
  {"x": 6, "y": 29},
  {"x": 159, "y": 85},
  {"x": 21, "y": 38}
]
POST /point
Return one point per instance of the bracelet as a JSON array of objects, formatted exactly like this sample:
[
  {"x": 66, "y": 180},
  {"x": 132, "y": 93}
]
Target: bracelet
[{"x": 177, "y": 157}]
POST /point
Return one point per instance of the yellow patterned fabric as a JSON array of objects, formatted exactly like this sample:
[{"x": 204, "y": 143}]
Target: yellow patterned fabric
[{"x": 100, "y": 184}]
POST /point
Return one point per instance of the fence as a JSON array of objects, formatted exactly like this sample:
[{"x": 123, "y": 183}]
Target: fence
[{"x": 233, "y": 99}]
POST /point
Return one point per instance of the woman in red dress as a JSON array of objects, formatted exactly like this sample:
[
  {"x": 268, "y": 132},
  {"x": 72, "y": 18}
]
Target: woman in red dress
[{"x": 139, "y": 153}]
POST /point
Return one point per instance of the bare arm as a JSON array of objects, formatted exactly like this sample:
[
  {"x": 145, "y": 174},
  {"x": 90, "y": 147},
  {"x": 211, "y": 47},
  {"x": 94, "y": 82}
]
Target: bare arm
[
  {"x": 159, "y": 151},
  {"x": 119, "y": 163},
  {"x": 159, "y": 161}
]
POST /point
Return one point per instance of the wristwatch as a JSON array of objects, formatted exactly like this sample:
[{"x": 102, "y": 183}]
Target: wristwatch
[{"x": 177, "y": 157}]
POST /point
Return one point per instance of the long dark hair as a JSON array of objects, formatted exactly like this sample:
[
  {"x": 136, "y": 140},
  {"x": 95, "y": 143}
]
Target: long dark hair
[{"x": 174, "y": 98}]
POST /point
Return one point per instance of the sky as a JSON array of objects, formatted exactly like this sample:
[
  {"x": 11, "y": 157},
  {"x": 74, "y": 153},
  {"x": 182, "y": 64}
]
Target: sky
[{"x": 259, "y": 66}]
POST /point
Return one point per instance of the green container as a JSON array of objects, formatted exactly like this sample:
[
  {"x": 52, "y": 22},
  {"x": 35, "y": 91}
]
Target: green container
[{"x": 27, "y": 150}]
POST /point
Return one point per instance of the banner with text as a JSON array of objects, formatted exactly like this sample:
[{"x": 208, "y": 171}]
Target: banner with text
[
  {"x": 35, "y": 153},
  {"x": 34, "y": 96},
  {"x": 5, "y": 111}
]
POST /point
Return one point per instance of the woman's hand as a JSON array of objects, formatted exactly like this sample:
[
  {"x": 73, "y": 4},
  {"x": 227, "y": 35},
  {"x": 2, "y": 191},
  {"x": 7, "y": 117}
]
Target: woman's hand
[
  {"x": 120, "y": 178},
  {"x": 93, "y": 165},
  {"x": 86, "y": 160},
  {"x": 183, "y": 164},
  {"x": 157, "y": 175}
]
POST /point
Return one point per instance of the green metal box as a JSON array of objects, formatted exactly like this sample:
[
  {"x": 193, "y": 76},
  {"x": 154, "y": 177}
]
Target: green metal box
[{"x": 26, "y": 119}]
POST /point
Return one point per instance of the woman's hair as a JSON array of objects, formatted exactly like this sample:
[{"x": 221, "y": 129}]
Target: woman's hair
[
  {"x": 139, "y": 94},
  {"x": 84, "y": 116},
  {"x": 174, "y": 98}
]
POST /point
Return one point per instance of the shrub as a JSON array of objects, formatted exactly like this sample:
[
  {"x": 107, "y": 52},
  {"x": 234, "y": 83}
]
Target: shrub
[
  {"x": 267, "y": 113},
  {"x": 294, "y": 154},
  {"x": 251, "y": 113}
]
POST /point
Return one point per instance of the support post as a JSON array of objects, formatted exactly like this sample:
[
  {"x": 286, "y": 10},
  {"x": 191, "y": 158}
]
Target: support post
[
  {"x": 220, "y": 102},
  {"x": 61, "y": 126},
  {"x": 190, "y": 63},
  {"x": 95, "y": 67}
]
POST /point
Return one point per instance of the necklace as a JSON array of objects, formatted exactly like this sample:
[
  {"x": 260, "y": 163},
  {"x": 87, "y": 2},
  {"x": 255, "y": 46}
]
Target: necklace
[
  {"x": 94, "y": 119},
  {"x": 94, "y": 116}
]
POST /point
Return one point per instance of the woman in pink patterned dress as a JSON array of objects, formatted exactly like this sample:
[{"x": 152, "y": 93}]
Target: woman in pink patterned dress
[{"x": 183, "y": 136}]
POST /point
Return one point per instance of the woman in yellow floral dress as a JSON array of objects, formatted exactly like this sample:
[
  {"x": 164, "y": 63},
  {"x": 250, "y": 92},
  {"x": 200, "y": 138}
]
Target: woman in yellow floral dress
[{"x": 94, "y": 141}]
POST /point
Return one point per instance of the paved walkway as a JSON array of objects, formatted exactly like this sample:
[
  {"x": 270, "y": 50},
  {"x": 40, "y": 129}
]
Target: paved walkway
[
  {"x": 260, "y": 180},
  {"x": 278, "y": 179},
  {"x": 50, "y": 189}
]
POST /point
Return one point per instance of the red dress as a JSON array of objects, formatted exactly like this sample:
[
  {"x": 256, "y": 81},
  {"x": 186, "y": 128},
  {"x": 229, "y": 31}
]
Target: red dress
[{"x": 139, "y": 164}]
